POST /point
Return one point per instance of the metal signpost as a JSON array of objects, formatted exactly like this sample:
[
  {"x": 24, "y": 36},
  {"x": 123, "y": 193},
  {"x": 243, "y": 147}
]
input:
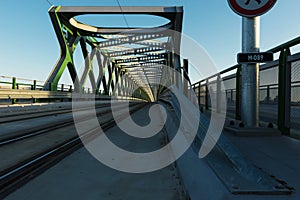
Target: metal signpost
[{"x": 251, "y": 10}]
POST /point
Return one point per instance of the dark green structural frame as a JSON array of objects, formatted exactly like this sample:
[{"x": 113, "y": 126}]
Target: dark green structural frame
[{"x": 114, "y": 65}]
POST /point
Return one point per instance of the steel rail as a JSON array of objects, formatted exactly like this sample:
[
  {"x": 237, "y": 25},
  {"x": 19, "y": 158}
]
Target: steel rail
[
  {"x": 41, "y": 113},
  {"x": 50, "y": 127},
  {"x": 16, "y": 176}
]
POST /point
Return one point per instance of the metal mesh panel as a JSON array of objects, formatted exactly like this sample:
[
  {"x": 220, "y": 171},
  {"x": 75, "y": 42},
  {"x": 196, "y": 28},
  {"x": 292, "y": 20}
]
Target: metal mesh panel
[
  {"x": 196, "y": 91},
  {"x": 295, "y": 69},
  {"x": 202, "y": 95},
  {"x": 212, "y": 88},
  {"x": 295, "y": 95},
  {"x": 263, "y": 95},
  {"x": 230, "y": 86},
  {"x": 268, "y": 95},
  {"x": 269, "y": 76}
]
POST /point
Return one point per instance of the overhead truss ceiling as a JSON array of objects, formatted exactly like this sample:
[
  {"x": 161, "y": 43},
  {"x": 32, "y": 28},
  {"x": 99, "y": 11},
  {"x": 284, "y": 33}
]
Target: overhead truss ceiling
[{"x": 138, "y": 53}]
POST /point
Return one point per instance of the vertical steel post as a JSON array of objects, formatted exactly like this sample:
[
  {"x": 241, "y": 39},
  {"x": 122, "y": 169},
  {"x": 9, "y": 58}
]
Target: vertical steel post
[
  {"x": 34, "y": 85},
  {"x": 14, "y": 83},
  {"x": 14, "y": 86},
  {"x": 250, "y": 73},
  {"x": 218, "y": 95},
  {"x": 268, "y": 95},
  {"x": 185, "y": 76},
  {"x": 238, "y": 93},
  {"x": 121, "y": 84},
  {"x": 199, "y": 95},
  {"x": 126, "y": 85},
  {"x": 170, "y": 65},
  {"x": 284, "y": 92},
  {"x": 178, "y": 73},
  {"x": 34, "y": 88},
  {"x": 206, "y": 96}
]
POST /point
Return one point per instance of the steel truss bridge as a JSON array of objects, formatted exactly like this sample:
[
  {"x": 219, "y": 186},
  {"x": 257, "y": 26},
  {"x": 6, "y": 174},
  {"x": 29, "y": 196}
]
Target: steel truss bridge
[
  {"x": 140, "y": 64},
  {"x": 130, "y": 61}
]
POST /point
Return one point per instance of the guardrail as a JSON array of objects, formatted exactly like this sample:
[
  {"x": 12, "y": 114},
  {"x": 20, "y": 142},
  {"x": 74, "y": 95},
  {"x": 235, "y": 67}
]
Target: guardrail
[
  {"x": 7, "y": 82},
  {"x": 279, "y": 86},
  {"x": 12, "y": 88},
  {"x": 33, "y": 94},
  {"x": 48, "y": 96},
  {"x": 26, "y": 84}
]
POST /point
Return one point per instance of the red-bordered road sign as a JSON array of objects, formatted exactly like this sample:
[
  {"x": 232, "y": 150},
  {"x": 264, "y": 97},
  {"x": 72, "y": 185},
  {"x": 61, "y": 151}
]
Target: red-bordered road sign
[{"x": 251, "y": 8}]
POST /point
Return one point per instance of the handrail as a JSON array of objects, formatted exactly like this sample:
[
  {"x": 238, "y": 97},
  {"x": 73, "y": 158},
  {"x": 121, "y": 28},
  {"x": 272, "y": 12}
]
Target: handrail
[
  {"x": 276, "y": 49},
  {"x": 35, "y": 84},
  {"x": 286, "y": 45}
]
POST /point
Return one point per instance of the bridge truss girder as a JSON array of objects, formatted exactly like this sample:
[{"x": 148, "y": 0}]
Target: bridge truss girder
[{"x": 127, "y": 58}]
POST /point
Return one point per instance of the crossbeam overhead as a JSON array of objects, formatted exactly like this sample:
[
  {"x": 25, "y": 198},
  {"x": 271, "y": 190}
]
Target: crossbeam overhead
[{"x": 135, "y": 54}]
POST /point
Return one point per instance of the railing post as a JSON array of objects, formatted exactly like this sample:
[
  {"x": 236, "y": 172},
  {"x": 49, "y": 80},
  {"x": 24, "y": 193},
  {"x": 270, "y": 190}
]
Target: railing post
[
  {"x": 14, "y": 83},
  {"x": 199, "y": 94},
  {"x": 227, "y": 95},
  {"x": 14, "y": 86},
  {"x": 268, "y": 94},
  {"x": 284, "y": 93},
  {"x": 34, "y": 88},
  {"x": 50, "y": 86},
  {"x": 218, "y": 95},
  {"x": 34, "y": 85},
  {"x": 206, "y": 95},
  {"x": 185, "y": 77},
  {"x": 238, "y": 94},
  {"x": 62, "y": 87},
  {"x": 70, "y": 90}
]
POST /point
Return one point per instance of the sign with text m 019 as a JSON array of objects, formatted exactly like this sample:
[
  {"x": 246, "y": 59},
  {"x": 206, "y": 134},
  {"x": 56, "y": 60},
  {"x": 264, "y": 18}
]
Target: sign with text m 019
[{"x": 259, "y": 57}]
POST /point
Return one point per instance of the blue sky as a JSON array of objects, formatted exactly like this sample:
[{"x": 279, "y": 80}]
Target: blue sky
[{"x": 29, "y": 48}]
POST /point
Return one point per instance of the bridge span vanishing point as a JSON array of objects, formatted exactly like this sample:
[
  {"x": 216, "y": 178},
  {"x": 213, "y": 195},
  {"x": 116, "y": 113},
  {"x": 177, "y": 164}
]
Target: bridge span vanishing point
[{"x": 131, "y": 125}]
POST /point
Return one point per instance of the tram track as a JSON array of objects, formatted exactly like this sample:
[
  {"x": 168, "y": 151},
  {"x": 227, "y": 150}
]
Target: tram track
[
  {"x": 15, "y": 117},
  {"x": 9, "y": 137},
  {"x": 21, "y": 172}
]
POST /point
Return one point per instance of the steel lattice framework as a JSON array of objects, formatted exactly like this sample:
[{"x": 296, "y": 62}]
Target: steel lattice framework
[{"x": 125, "y": 56}]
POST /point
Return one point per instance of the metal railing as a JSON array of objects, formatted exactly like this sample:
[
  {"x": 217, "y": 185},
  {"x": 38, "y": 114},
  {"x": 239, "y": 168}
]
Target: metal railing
[
  {"x": 279, "y": 90},
  {"x": 13, "y": 90},
  {"x": 7, "y": 82},
  {"x": 19, "y": 90}
]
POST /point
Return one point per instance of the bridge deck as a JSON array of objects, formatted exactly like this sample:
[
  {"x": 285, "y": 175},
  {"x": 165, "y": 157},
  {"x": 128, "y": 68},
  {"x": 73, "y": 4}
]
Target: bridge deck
[{"x": 81, "y": 176}]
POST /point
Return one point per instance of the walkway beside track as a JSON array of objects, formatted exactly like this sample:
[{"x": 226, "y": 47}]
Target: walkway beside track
[{"x": 276, "y": 155}]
